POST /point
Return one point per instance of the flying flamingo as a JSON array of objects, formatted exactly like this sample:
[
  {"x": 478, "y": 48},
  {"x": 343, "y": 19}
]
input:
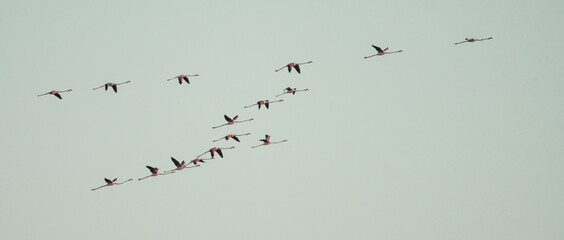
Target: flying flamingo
[
  {"x": 113, "y": 85},
  {"x": 232, "y": 121},
  {"x": 154, "y": 172},
  {"x": 179, "y": 165},
  {"x": 381, "y": 52},
  {"x": 294, "y": 65},
  {"x": 183, "y": 77},
  {"x": 214, "y": 150},
  {"x": 56, "y": 93},
  {"x": 197, "y": 160},
  {"x": 234, "y": 136},
  {"x": 266, "y": 141},
  {"x": 473, "y": 40},
  {"x": 111, "y": 183},
  {"x": 292, "y": 91},
  {"x": 266, "y": 103}
]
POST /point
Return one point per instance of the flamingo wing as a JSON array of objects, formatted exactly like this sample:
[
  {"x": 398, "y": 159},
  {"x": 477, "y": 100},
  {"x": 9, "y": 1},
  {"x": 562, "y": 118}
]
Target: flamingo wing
[
  {"x": 176, "y": 163},
  {"x": 227, "y": 118},
  {"x": 152, "y": 169},
  {"x": 108, "y": 180},
  {"x": 297, "y": 67},
  {"x": 219, "y": 153},
  {"x": 106, "y": 86},
  {"x": 58, "y": 95},
  {"x": 377, "y": 48},
  {"x": 266, "y": 105},
  {"x": 115, "y": 88},
  {"x": 236, "y": 138},
  {"x": 236, "y": 117},
  {"x": 186, "y": 79},
  {"x": 289, "y": 68}
]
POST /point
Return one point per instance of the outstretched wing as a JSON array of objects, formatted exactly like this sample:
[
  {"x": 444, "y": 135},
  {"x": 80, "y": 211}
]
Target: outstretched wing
[
  {"x": 227, "y": 118},
  {"x": 297, "y": 67},
  {"x": 219, "y": 153},
  {"x": 176, "y": 163},
  {"x": 377, "y": 48},
  {"x": 236, "y": 138},
  {"x": 108, "y": 180},
  {"x": 267, "y": 137},
  {"x": 115, "y": 88},
  {"x": 58, "y": 95},
  {"x": 152, "y": 169}
]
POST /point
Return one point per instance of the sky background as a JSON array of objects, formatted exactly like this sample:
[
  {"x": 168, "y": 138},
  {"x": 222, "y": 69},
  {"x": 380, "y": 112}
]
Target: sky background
[{"x": 437, "y": 142}]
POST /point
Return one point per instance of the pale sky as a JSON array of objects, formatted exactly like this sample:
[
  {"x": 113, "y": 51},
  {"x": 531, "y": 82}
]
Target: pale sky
[{"x": 437, "y": 142}]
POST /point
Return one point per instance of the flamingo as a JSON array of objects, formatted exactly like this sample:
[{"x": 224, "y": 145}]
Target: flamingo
[
  {"x": 232, "y": 121},
  {"x": 56, "y": 93},
  {"x": 234, "y": 136},
  {"x": 111, "y": 183},
  {"x": 179, "y": 165},
  {"x": 113, "y": 85},
  {"x": 473, "y": 40},
  {"x": 183, "y": 77},
  {"x": 197, "y": 160},
  {"x": 154, "y": 172},
  {"x": 294, "y": 65},
  {"x": 381, "y": 52},
  {"x": 266, "y": 103},
  {"x": 292, "y": 91},
  {"x": 266, "y": 141},
  {"x": 214, "y": 150}
]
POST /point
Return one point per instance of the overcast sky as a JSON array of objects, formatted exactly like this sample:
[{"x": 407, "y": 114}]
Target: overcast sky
[{"x": 437, "y": 142}]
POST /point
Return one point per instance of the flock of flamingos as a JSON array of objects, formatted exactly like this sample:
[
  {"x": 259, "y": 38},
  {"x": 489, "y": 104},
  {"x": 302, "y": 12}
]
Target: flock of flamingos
[{"x": 230, "y": 120}]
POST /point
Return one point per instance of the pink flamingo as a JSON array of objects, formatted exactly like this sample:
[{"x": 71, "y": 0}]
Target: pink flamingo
[
  {"x": 214, "y": 150},
  {"x": 198, "y": 160},
  {"x": 381, "y": 52},
  {"x": 154, "y": 172},
  {"x": 56, "y": 93},
  {"x": 266, "y": 103},
  {"x": 266, "y": 141},
  {"x": 234, "y": 136},
  {"x": 292, "y": 91},
  {"x": 111, "y": 183},
  {"x": 179, "y": 165},
  {"x": 113, "y": 85},
  {"x": 183, "y": 77},
  {"x": 294, "y": 65},
  {"x": 473, "y": 40},
  {"x": 232, "y": 121}
]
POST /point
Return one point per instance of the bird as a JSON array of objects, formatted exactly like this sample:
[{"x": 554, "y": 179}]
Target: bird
[
  {"x": 292, "y": 91},
  {"x": 56, "y": 93},
  {"x": 113, "y": 85},
  {"x": 381, "y": 52},
  {"x": 111, "y": 183},
  {"x": 213, "y": 150},
  {"x": 183, "y": 77},
  {"x": 266, "y": 141},
  {"x": 198, "y": 160},
  {"x": 266, "y": 103},
  {"x": 234, "y": 136},
  {"x": 473, "y": 40},
  {"x": 179, "y": 165},
  {"x": 294, "y": 65},
  {"x": 232, "y": 121},
  {"x": 154, "y": 172}
]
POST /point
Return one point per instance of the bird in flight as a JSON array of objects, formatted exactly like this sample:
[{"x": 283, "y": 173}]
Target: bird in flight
[
  {"x": 111, "y": 183},
  {"x": 293, "y": 65},
  {"x": 214, "y": 150},
  {"x": 231, "y": 121},
  {"x": 292, "y": 91},
  {"x": 154, "y": 172},
  {"x": 266, "y": 141},
  {"x": 473, "y": 40},
  {"x": 179, "y": 165},
  {"x": 381, "y": 52},
  {"x": 55, "y": 93},
  {"x": 266, "y": 103},
  {"x": 233, "y": 136},
  {"x": 112, "y": 85},
  {"x": 183, "y": 77}
]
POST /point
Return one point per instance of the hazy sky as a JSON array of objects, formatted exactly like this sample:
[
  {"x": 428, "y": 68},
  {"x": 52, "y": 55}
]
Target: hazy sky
[{"x": 437, "y": 142}]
